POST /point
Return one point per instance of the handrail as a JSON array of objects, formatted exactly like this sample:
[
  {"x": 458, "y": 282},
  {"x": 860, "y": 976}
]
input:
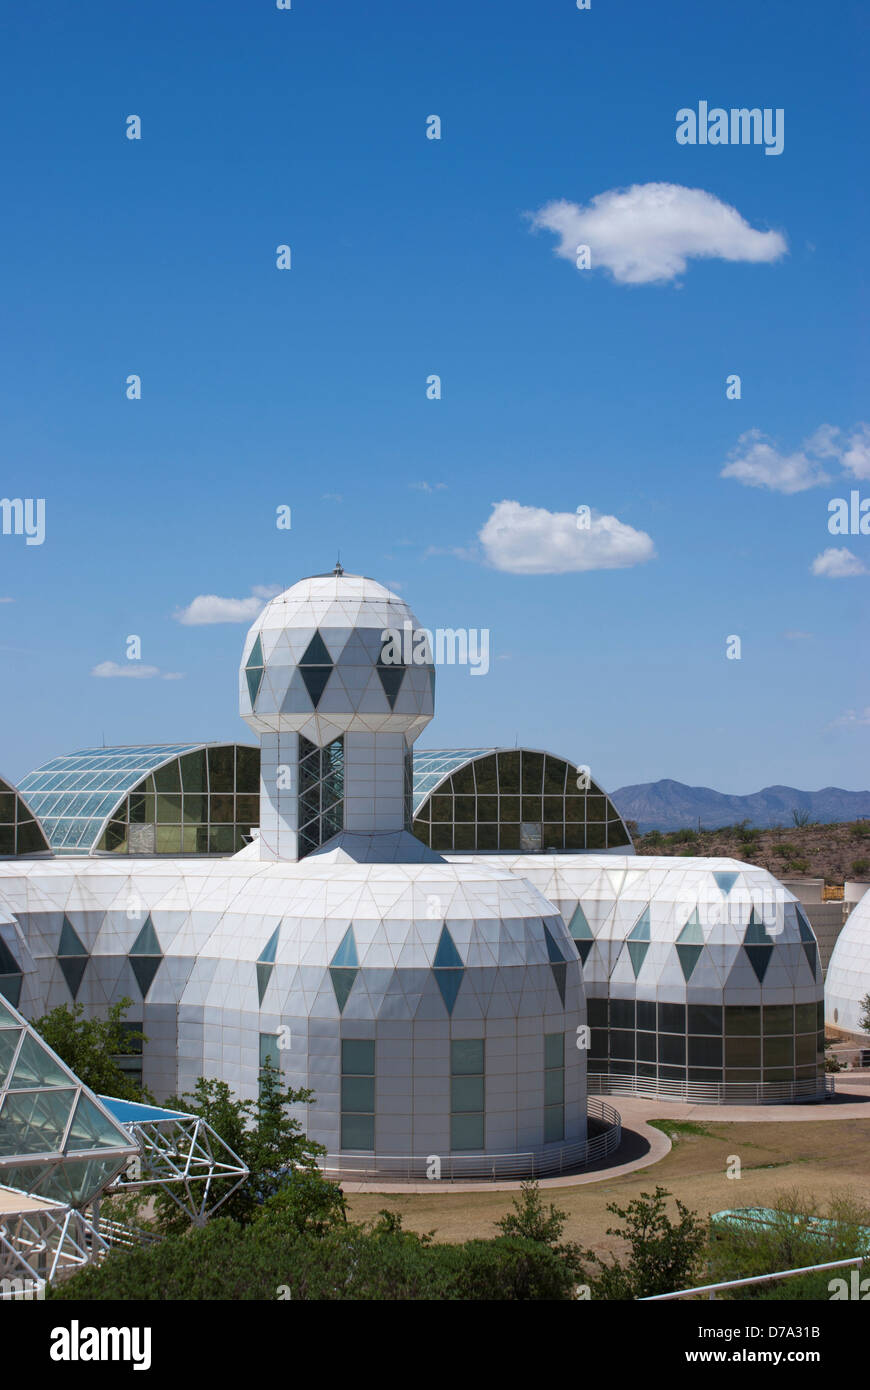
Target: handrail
[
  {"x": 711, "y": 1289},
  {"x": 711, "y": 1092}
]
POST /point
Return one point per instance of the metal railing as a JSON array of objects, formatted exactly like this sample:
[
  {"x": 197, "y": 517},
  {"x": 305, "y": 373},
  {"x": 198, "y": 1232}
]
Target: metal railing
[
  {"x": 712, "y": 1092},
  {"x": 712, "y": 1289},
  {"x": 452, "y": 1167}
]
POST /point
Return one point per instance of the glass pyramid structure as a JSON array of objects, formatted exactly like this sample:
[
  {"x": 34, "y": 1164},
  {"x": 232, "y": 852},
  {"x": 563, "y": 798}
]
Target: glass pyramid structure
[{"x": 57, "y": 1140}]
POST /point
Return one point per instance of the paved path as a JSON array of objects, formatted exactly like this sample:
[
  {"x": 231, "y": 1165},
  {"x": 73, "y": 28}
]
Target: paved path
[{"x": 642, "y": 1145}]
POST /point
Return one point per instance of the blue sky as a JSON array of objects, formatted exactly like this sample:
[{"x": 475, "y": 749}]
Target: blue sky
[{"x": 561, "y": 387}]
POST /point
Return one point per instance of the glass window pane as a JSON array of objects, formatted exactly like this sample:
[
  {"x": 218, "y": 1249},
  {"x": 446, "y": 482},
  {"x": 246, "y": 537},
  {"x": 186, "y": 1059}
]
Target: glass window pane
[
  {"x": 672, "y": 1018},
  {"x": 221, "y": 769},
  {"x": 705, "y": 1018},
  {"x": 554, "y": 1087},
  {"x": 358, "y": 1132},
  {"x": 467, "y": 1093},
  {"x": 742, "y": 1020},
  {"x": 646, "y": 1015},
  {"x": 779, "y": 1052},
  {"x": 466, "y": 1132},
  {"x": 509, "y": 773},
  {"x": 466, "y": 1056},
  {"x": 705, "y": 1052},
  {"x": 358, "y": 1057},
  {"x": 622, "y": 1013},
  {"x": 743, "y": 1052},
  {"x": 778, "y": 1018},
  {"x": 554, "y": 1050},
  {"x": 672, "y": 1049},
  {"x": 554, "y": 1123},
  {"x": 358, "y": 1093}
]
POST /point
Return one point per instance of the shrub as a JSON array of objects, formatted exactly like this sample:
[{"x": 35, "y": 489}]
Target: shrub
[
  {"x": 860, "y": 866},
  {"x": 89, "y": 1046},
  {"x": 663, "y": 1255}
]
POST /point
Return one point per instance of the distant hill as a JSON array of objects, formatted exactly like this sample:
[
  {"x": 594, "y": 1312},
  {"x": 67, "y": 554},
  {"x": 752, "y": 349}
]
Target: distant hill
[{"x": 668, "y": 805}]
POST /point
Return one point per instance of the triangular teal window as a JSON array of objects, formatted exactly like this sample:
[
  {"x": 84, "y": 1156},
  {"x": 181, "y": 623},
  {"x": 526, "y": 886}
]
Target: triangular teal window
[
  {"x": 811, "y": 952},
  {"x": 346, "y": 952},
  {"x": 266, "y": 963},
  {"x": 557, "y": 962},
  {"x": 391, "y": 675},
  {"x": 448, "y": 969},
  {"x": 254, "y": 670},
  {"x": 73, "y": 969},
  {"x": 8, "y": 964},
  {"x": 70, "y": 942},
  {"x": 804, "y": 927},
  {"x": 756, "y": 932},
  {"x": 759, "y": 959},
  {"x": 315, "y": 678},
  {"x": 690, "y": 944},
  {"x": 146, "y": 956},
  {"x": 640, "y": 930},
  {"x": 315, "y": 653},
  {"x": 725, "y": 881},
  {"x": 342, "y": 984},
  {"x": 688, "y": 957},
  {"x": 581, "y": 932},
  {"x": 638, "y": 941}
]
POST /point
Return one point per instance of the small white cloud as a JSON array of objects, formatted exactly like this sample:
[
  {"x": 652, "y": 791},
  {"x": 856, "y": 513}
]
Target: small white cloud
[
  {"x": 133, "y": 670},
  {"x": 7, "y": 600},
  {"x": 795, "y": 635},
  {"x": 856, "y": 455},
  {"x": 210, "y": 608},
  {"x": 331, "y": 497},
  {"x": 757, "y": 462},
  {"x": 646, "y": 234},
  {"x": 854, "y": 719},
  {"x": 531, "y": 540},
  {"x": 838, "y": 563},
  {"x": 428, "y": 487}
]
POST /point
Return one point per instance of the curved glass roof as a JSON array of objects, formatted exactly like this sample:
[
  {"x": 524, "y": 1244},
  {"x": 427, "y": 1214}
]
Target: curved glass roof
[
  {"x": 20, "y": 831},
  {"x": 432, "y": 765},
  {"x": 75, "y": 796},
  {"x": 521, "y": 800}
]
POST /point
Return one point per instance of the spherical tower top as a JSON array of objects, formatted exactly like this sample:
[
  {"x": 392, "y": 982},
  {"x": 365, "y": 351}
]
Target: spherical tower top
[{"x": 333, "y": 654}]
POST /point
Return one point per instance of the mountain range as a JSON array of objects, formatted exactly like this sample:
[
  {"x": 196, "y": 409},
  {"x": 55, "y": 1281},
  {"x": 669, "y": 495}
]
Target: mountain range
[{"x": 668, "y": 805}]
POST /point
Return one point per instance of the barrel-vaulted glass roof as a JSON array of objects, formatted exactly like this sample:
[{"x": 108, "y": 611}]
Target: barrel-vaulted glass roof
[
  {"x": 20, "y": 832},
  {"x": 90, "y": 799},
  {"x": 515, "y": 800}
]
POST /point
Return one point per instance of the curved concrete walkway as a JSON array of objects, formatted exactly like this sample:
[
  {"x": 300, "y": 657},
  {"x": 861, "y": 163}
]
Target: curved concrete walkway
[{"x": 643, "y": 1145}]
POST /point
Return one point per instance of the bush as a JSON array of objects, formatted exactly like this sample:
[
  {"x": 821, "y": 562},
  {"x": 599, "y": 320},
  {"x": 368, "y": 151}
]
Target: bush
[
  {"x": 261, "y": 1261},
  {"x": 89, "y": 1047},
  {"x": 860, "y": 866},
  {"x": 663, "y": 1255},
  {"x": 683, "y": 837}
]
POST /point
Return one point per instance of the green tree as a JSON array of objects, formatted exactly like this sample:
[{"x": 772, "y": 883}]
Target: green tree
[
  {"x": 267, "y": 1138},
  {"x": 89, "y": 1046},
  {"x": 663, "y": 1255},
  {"x": 531, "y": 1220}
]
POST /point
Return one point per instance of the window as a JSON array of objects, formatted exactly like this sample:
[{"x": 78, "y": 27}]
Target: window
[
  {"x": 467, "y": 1103},
  {"x": 358, "y": 1094},
  {"x": 554, "y": 1087},
  {"x": 268, "y": 1053},
  {"x": 130, "y": 1063}
]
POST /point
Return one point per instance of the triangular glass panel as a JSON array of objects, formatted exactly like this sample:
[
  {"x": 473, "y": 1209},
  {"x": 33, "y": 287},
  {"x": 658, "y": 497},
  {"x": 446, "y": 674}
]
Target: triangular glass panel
[
  {"x": 8, "y": 964},
  {"x": 583, "y": 949},
  {"x": 640, "y": 930},
  {"x": 446, "y": 956},
  {"x": 689, "y": 957},
  {"x": 692, "y": 933},
  {"x": 8, "y": 1043},
  {"x": 264, "y": 975},
  {"x": 315, "y": 653},
  {"x": 145, "y": 968},
  {"x": 637, "y": 951},
  {"x": 553, "y": 952},
  {"x": 346, "y": 952},
  {"x": 725, "y": 881},
  {"x": 811, "y": 952},
  {"x": 255, "y": 657},
  {"x": 579, "y": 926},
  {"x": 36, "y": 1067},
  {"x": 759, "y": 959},
  {"x": 254, "y": 677},
  {"x": 70, "y": 942},
  {"x": 449, "y": 982},
  {"x": 146, "y": 943},
  {"x": 267, "y": 955},
  {"x": 391, "y": 680},
  {"x": 91, "y": 1129},
  {"x": 342, "y": 984},
  {"x": 7, "y": 1016},
  {"x": 756, "y": 932},
  {"x": 10, "y": 986},
  {"x": 806, "y": 931},
  {"x": 315, "y": 678},
  {"x": 34, "y": 1122},
  {"x": 73, "y": 969}
]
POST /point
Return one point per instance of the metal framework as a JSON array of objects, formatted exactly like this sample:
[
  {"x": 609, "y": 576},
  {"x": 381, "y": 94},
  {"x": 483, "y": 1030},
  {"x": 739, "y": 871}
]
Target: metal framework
[
  {"x": 178, "y": 1152},
  {"x": 39, "y": 1246}
]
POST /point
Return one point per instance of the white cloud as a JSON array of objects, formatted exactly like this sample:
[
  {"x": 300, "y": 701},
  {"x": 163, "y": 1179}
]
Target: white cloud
[
  {"x": 531, "y": 540},
  {"x": 428, "y": 487},
  {"x": 757, "y": 462},
  {"x": 795, "y": 635},
  {"x": 838, "y": 563},
  {"x": 210, "y": 608},
  {"x": 7, "y": 600},
  {"x": 854, "y": 718},
  {"x": 331, "y": 497},
  {"x": 645, "y": 234},
  {"x": 133, "y": 670},
  {"x": 856, "y": 455}
]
